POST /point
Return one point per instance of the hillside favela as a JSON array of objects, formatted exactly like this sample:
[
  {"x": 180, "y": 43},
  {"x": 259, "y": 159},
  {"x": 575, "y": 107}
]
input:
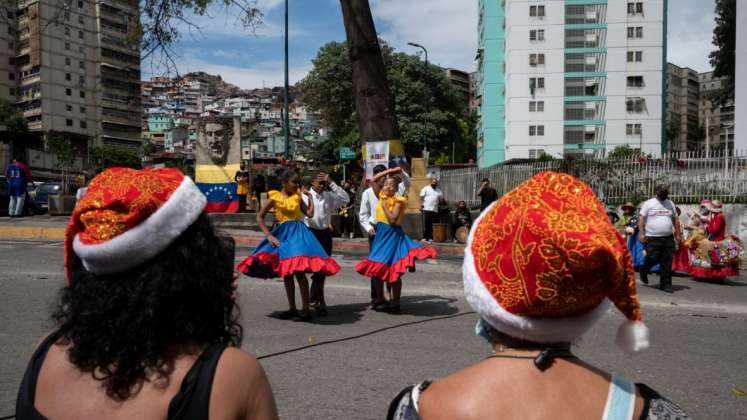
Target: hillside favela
[{"x": 373, "y": 209}]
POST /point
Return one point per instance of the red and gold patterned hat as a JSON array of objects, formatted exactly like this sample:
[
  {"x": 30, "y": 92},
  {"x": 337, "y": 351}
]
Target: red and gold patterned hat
[
  {"x": 543, "y": 264},
  {"x": 128, "y": 216}
]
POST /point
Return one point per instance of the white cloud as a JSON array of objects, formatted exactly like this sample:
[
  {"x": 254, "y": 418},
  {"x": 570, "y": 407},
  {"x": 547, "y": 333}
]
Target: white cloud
[
  {"x": 267, "y": 74},
  {"x": 691, "y": 25},
  {"x": 447, "y": 28}
]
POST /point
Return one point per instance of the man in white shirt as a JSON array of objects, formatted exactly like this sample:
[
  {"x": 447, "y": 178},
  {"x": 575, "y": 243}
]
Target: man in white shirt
[
  {"x": 325, "y": 203},
  {"x": 430, "y": 197},
  {"x": 659, "y": 226},
  {"x": 367, "y": 213}
]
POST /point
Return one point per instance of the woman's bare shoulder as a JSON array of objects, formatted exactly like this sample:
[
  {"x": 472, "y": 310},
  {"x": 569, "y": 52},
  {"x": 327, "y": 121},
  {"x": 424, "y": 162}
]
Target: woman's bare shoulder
[{"x": 241, "y": 387}]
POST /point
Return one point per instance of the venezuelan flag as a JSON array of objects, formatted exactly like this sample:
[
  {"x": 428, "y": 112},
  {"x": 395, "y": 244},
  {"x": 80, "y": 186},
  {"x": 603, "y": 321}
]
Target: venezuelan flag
[{"x": 218, "y": 185}]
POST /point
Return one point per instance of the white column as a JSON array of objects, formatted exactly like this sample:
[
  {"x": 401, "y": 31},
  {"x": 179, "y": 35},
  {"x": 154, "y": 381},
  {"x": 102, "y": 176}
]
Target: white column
[{"x": 740, "y": 117}]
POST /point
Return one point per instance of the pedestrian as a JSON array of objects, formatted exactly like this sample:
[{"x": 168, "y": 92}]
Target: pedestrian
[
  {"x": 147, "y": 324},
  {"x": 534, "y": 297},
  {"x": 325, "y": 202},
  {"x": 17, "y": 176},
  {"x": 462, "y": 218},
  {"x": 290, "y": 250},
  {"x": 258, "y": 188},
  {"x": 488, "y": 195},
  {"x": 714, "y": 256},
  {"x": 347, "y": 213},
  {"x": 628, "y": 211},
  {"x": 392, "y": 252},
  {"x": 367, "y": 217},
  {"x": 659, "y": 232},
  {"x": 242, "y": 186},
  {"x": 431, "y": 197}
]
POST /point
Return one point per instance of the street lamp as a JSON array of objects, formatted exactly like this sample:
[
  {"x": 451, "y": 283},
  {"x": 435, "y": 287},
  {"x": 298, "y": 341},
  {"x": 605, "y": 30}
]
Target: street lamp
[{"x": 427, "y": 105}]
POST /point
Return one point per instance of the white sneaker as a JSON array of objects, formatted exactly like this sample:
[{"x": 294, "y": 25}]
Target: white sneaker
[{"x": 352, "y": 236}]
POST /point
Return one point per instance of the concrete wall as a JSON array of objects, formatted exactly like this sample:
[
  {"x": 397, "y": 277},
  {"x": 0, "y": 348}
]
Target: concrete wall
[{"x": 740, "y": 138}]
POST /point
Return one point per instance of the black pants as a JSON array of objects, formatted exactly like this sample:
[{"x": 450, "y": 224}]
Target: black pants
[
  {"x": 348, "y": 225},
  {"x": 661, "y": 250},
  {"x": 242, "y": 203},
  {"x": 324, "y": 236},
  {"x": 429, "y": 218},
  {"x": 374, "y": 281}
]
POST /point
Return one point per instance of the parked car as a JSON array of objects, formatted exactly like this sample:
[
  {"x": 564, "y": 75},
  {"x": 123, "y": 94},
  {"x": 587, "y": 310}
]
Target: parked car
[
  {"x": 29, "y": 206},
  {"x": 42, "y": 193}
]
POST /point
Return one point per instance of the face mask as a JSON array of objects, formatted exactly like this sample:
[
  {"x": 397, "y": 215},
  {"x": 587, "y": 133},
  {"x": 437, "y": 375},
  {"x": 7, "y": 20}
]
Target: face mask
[
  {"x": 704, "y": 211},
  {"x": 663, "y": 196}
]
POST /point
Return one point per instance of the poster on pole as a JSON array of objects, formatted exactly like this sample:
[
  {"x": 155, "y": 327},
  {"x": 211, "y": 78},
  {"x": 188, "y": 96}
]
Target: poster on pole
[{"x": 388, "y": 153}]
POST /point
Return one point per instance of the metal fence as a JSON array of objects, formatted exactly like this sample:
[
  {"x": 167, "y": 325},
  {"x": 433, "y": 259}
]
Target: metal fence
[{"x": 690, "y": 176}]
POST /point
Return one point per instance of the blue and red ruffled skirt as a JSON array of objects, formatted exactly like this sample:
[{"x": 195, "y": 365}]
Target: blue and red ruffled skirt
[
  {"x": 299, "y": 252},
  {"x": 392, "y": 254}
]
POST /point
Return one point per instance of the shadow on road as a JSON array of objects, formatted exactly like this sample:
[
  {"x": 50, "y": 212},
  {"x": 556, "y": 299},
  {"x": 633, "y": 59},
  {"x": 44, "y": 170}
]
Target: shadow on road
[
  {"x": 428, "y": 305},
  {"x": 675, "y": 287}
]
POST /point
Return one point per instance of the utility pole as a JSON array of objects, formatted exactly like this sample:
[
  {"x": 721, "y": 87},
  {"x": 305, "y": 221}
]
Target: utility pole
[{"x": 286, "y": 119}]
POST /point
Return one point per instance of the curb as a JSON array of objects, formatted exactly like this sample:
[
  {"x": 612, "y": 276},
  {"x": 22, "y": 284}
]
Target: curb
[
  {"x": 32, "y": 232},
  {"x": 250, "y": 240}
]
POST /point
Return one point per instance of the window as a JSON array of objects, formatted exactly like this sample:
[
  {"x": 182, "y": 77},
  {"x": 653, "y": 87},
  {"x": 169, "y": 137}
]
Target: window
[
  {"x": 633, "y": 129},
  {"x": 635, "y": 8},
  {"x": 80, "y": 4},
  {"x": 67, "y": 30},
  {"x": 67, "y": 61},
  {"x": 536, "y": 130},
  {"x": 635, "y": 56},
  {"x": 68, "y": 92},
  {"x": 536, "y": 153},
  {"x": 635, "y": 32},
  {"x": 82, "y": 94},
  {"x": 82, "y": 110},
  {"x": 68, "y": 76},
  {"x": 537, "y": 11},
  {"x": 83, "y": 124},
  {"x": 536, "y": 60},
  {"x": 67, "y": 45},
  {"x": 635, "y": 81},
  {"x": 536, "y": 82},
  {"x": 536, "y": 106},
  {"x": 11, "y": 76},
  {"x": 81, "y": 49},
  {"x": 636, "y": 105},
  {"x": 537, "y": 35},
  {"x": 80, "y": 20},
  {"x": 80, "y": 34},
  {"x": 69, "y": 123},
  {"x": 69, "y": 108},
  {"x": 81, "y": 79}
]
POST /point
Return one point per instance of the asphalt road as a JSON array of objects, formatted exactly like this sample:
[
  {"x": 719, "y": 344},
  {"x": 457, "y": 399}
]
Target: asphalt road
[{"x": 363, "y": 358}]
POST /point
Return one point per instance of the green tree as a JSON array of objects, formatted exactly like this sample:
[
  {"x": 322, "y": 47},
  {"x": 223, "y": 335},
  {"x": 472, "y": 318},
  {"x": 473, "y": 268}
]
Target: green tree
[
  {"x": 723, "y": 58},
  {"x": 425, "y": 103},
  {"x": 109, "y": 156},
  {"x": 673, "y": 132},
  {"x": 63, "y": 148},
  {"x": 16, "y": 129},
  {"x": 624, "y": 152}
]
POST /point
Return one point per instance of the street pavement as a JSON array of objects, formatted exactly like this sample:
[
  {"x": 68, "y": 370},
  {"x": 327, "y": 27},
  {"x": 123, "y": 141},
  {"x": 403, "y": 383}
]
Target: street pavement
[{"x": 359, "y": 359}]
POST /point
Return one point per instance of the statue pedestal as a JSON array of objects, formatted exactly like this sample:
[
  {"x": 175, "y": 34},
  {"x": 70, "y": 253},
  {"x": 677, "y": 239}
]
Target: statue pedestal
[{"x": 418, "y": 181}]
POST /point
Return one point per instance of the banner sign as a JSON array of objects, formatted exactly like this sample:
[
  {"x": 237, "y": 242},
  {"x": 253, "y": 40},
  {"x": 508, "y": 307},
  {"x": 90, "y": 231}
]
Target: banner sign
[{"x": 388, "y": 153}]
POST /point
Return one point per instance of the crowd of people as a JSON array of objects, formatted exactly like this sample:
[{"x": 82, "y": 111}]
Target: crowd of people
[
  {"x": 146, "y": 325},
  {"x": 659, "y": 242}
]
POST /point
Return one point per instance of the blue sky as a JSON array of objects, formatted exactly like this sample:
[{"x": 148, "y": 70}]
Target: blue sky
[{"x": 446, "y": 27}]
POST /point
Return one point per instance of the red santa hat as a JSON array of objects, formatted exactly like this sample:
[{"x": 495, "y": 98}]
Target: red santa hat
[
  {"x": 544, "y": 263},
  {"x": 129, "y": 216}
]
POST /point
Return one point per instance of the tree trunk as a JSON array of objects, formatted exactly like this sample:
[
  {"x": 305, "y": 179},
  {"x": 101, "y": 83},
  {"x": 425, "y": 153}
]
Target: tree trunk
[{"x": 373, "y": 98}]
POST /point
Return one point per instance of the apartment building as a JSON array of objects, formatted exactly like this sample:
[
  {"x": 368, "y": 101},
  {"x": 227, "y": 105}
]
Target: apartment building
[
  {"x": 460, "y": 80},
  {"x": 74, "y": 70},
  {"x": 570, "y": 77},
  {"x": 683, "y": 103},
  {"x": 718, "y": 121}
]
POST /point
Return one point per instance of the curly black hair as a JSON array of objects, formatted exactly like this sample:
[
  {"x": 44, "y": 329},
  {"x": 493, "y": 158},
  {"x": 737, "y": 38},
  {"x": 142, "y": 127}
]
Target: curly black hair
[{"x": 123, "y": 326}]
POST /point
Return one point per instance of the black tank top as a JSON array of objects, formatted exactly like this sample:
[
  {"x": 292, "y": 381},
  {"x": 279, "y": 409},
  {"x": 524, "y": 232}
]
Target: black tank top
[{"x": 191, "y": 402}]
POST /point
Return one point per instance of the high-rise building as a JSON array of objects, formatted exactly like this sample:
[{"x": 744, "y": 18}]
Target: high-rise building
[
  {"x": 75, "y": 69},
  {"x": 740, "y": 88},
  {"x": 570, "y": 77},
  {"x": 683, "y": 101},
  {"x": 717, "y": 120},
  {"x": 461, "y": 82}
]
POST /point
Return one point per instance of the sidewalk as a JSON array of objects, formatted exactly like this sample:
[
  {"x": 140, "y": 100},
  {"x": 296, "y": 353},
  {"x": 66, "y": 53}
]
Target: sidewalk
[{"x": 52, "y": 228}]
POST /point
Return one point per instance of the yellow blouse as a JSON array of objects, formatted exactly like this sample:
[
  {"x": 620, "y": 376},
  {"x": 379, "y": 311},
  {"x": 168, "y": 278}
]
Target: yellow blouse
[
  {"x": 286, "y": 208},
  {"x": 390, "y": 201}
]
